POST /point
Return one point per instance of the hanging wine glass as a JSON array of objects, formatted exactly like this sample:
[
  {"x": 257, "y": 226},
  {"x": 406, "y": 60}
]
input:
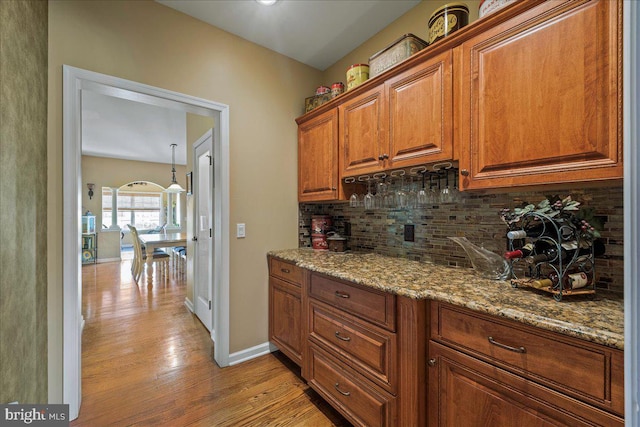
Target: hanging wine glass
[
  {"x": 434, "y": 195},
  {"x": 455, "y": 191},
  {"x": 401, "y": 194},
  {"x": 369, "y": 203},
  {"x": 445, "y": 192},
  {"x": 380, "y": 190},
  {"x": 422, "y": 198}
]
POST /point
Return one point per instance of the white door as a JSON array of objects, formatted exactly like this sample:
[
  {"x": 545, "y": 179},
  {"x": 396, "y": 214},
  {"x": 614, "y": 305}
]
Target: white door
[{"x": 203, "y": 230}]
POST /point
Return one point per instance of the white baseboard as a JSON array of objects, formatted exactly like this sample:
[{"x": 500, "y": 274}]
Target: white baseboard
[
  {"x": 103, "y": 260},
  {"x": 189, "y": 304},
  {"x": 249, "y": 353}
]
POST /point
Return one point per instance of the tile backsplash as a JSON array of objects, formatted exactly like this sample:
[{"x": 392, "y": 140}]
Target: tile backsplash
[{"x": 474, "y": 216}]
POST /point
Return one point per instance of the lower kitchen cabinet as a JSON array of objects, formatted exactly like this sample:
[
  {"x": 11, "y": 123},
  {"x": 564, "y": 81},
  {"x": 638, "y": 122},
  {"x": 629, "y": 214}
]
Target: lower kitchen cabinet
[
  {"x": 382, "y": 359},
  {"x": 285, "y": 308},
  {"x": 489, "y": 371},
  {"x": 464, "y": 391}
]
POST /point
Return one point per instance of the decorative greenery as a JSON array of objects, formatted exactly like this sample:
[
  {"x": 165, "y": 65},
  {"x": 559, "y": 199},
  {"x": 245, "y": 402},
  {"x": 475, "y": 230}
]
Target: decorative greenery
[{"x": 554, "y": 206}]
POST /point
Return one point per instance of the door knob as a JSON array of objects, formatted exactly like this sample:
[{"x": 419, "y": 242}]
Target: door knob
[{"x": 194, "y": 238}]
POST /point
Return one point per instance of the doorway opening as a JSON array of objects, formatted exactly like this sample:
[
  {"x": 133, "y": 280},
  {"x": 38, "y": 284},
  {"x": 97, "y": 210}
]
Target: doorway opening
[{"x": 75, "y": 82}]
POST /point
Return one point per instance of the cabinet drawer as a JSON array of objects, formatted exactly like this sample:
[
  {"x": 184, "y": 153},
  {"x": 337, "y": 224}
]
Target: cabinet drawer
[
  {"x": 571, "y": 366},
  {"x": 367, "y": 348},
  {"x": 370, "y": 304},
  {"x": 350, "y": 394},
  {"x": 287, "y": 271}
]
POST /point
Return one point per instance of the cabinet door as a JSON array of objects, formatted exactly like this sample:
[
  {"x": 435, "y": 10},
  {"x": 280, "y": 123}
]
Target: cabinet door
[
  {"x": 540, "y": 97},
  {"x": 362, "y": 134},
  {"x": 464, "y": 391},
  {"x": 285, "y": 318},
  {"x": 420, "y": 113},
  {"x": 318, "y": 158}
]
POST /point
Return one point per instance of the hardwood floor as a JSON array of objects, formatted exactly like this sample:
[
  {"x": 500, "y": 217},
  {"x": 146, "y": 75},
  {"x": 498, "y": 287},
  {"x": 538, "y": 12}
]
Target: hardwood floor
[{"x": 146, "y": 360}]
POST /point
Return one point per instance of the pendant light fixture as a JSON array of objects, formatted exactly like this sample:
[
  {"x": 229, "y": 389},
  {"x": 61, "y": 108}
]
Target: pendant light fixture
[{"x": 174, "y": 187}]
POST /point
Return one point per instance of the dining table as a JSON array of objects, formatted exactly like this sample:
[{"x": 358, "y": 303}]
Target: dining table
[{"x": 161, "y": 240}]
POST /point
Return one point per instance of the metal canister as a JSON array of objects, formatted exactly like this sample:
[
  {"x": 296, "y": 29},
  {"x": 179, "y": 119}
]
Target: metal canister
[
  {"x": 357, "y": 74},
  {"x": 489, "y": 6},
  {"x": 320, "y": 225},
  {"x": 321, "y": 90},
  {"x": 447, "y": 19}
]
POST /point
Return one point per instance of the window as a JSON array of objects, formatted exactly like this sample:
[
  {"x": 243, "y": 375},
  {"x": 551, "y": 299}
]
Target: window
[{"x": 142, "y": 204}]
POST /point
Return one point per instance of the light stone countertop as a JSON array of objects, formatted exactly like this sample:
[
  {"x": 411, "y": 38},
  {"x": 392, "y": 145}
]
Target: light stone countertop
[{"x": 599, "y": 319}]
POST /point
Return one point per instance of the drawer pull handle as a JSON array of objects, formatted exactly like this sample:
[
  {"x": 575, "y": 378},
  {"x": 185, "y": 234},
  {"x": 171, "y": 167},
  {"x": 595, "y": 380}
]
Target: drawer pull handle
[
  {"x": 342, "y": 294},
  {"x": 507, "y": 347},
  {"x": 344, "y": 393},
  {"x": 340, "y": 337},
  {"x": 285, "y": 270}
]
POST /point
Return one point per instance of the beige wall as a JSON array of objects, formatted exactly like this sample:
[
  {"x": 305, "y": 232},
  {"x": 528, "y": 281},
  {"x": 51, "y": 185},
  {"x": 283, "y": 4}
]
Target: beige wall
[
  {"x": 415, "y": 21},
  {"x": 146, "y": 42},
  {"x": 114, "y": 173},
  {"x": 23, "y": 202}
]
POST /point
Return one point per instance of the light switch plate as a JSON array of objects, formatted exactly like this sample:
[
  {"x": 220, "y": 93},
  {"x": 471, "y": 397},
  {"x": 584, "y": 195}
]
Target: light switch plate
[{"x": 240, "y": 230}]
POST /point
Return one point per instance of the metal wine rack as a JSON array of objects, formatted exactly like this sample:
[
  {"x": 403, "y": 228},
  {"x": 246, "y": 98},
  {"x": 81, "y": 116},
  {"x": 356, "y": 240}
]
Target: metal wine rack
[{"x": 554, "y": 232}]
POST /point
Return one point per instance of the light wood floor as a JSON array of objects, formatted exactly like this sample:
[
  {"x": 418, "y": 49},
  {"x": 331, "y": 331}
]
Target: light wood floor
[{"x": 146, "y": 360}]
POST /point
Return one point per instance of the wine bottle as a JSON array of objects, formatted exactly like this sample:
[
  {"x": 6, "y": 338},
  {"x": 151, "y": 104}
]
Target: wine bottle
[
  {"x": 541, "y": 283},
  {"x": 567, "y": 251},
  {"x": 524, "y": 251},
  {"x": 537, "y": 229},
  {"x": 574, "y": 280}
]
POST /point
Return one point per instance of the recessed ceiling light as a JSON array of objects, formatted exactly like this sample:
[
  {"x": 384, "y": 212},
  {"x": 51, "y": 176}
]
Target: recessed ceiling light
[{"x": 266, "y": 2}]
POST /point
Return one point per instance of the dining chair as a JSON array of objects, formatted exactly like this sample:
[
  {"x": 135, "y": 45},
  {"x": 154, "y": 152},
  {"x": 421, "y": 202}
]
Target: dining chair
[{"x": 140, "y": 256}]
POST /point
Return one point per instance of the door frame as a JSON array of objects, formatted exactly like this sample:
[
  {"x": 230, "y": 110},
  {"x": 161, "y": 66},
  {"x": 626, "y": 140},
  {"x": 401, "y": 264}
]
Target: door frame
[
  {"x": 75, "y": 80},
  {"x": 213, "y": 244}
]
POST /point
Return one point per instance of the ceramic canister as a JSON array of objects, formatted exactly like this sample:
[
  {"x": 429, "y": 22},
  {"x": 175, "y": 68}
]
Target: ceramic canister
[
  {"x": 447, "y": 19},
  {"x": 336, "y": 89},
  {"x": 357, "y": 74}
]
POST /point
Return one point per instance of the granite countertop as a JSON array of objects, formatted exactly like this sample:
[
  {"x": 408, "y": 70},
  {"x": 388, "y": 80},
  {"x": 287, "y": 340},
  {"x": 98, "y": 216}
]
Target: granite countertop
[{"x": 599, "y": 320}]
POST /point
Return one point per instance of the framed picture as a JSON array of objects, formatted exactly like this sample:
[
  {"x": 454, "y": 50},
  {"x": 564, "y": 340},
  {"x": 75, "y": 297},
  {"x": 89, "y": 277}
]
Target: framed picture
[{"x": 189, "y": 183}]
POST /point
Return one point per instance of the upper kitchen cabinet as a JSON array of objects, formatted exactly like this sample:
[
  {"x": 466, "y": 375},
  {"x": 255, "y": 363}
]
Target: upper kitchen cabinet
[
  {"x": 362, "y": 138},
  {"x": 318, "y": 158},
  {"x": 405, "y": 121},
  {"x": 540, "y": 97},
  {"x": 419, "y": 113}
]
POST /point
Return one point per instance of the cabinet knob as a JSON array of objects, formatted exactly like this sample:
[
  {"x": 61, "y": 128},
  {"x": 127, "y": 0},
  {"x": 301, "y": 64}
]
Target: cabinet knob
[
  {"x": 333, "y": 188},
  {"x": 464, "y": 172},
  {"x": 381, "y": 157},
  {"x": 432, "y": 362}
]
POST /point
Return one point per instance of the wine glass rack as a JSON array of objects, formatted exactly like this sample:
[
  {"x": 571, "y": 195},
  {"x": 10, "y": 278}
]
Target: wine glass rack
[{"x": 572, "y": 253}]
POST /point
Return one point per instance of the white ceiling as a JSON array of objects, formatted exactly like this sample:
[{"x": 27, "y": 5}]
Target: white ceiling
[
  {"x": 315, "y": 32},
  {"x": 123, "y": 129}
]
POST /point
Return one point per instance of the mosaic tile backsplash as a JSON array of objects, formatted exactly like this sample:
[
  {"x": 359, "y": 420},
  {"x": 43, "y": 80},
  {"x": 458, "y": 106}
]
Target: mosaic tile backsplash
[{"x": 474, "y": 216}]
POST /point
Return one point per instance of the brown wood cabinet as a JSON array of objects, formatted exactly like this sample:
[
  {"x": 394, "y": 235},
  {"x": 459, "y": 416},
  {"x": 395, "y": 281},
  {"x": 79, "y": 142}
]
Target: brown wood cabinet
[
  {"x": 351, "y": 357},
  {"x": 388, "y": 360},
  {"x": 405, "y": 121},
  {"x": 489, "y": 371},
  {"x": 539, "y": 97},
  {"x": 285, "y": 308},
  {"x": 318, "y": 177}
]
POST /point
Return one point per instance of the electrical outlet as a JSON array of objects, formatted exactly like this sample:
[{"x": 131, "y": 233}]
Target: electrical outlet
[
  {"x": 409, "y": 233},
  {"x": 347, "y": 229}
]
